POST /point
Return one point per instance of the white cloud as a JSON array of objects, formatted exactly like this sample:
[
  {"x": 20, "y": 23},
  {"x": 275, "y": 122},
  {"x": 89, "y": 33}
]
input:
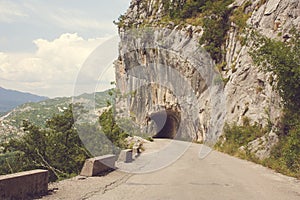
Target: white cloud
[
  {"x": 52, "y": 69},
  {"x": 10, "y": 11}
]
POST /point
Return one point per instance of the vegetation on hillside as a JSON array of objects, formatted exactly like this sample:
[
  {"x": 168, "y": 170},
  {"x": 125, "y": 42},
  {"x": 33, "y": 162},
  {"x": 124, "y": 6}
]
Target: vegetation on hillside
[
  {"x": 216, "y": 24},
  {"x": 282, "y": 61},
  {"x": 56, "y": 148},
  {"x": 39, "y": 113},
  {"x": 63, "y": 143},
  {"x": 237, "y": 136},
  {"x": 111, "y": 129},
  {"x": 116, "y": 129},
  {"x": 214, "y": 16}
]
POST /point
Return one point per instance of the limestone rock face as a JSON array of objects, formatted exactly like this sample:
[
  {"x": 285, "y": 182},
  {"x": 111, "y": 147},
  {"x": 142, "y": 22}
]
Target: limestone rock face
[
  {"x": 147, "y": 11},
  {"x": 169, "y": 85},
  {"x": 248, "y": 90},
  {"x": 261, "y": 147},
  {"x": 247, "y": 93}
]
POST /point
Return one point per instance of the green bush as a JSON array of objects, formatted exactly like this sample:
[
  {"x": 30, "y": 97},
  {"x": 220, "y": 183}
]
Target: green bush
[
  {"x": 285, "y": 156},
  {"x": 191, "y": 8},
  {"x": 216, "y": 24},
  {"x": 94, "y": 139},
  {"x": 283, "y": 60},
  {"x": 235, "y": 136},
  {"x": 239, "y": 17}
]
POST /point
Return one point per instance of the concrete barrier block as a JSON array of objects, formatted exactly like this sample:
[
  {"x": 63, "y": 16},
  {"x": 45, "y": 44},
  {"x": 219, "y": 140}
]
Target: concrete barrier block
[
  {"x": 125, "y": 156},
  {"x": 24, "y": 185},
  {"x": 98, "y": 165}
]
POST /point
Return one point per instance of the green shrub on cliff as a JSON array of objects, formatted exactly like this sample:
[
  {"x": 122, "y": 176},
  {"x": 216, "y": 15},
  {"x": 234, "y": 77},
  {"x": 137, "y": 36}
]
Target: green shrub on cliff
[
  {"x": 283, "y": 61},
  {"x": 214, "y": 17},
  {"x": 240, "y": 17},
  {"x": 236, "y": 136},
  {"x": 216, "y": 23},
  {"x": 285, "y": 156}
]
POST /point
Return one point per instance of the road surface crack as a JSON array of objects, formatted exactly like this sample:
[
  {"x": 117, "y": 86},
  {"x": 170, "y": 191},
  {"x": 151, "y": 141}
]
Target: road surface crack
[{"x": 108, "y": 187}]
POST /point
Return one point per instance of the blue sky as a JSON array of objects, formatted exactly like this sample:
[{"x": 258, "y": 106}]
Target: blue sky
[{"x": 44, "y": 43}]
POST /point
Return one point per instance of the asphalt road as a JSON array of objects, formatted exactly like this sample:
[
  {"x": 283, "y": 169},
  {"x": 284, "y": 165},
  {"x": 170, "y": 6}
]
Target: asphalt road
[{"x": 213, "y": 177}]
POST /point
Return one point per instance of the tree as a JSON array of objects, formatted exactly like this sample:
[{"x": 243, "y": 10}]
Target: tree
[
  {"x": 57, "y": 148},
  {"x": 108, "y": 123},
  {"x": 111, "y": 129}
]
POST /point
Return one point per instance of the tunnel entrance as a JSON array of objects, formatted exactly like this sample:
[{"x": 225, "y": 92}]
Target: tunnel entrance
[{"x": 167, "y": 122}]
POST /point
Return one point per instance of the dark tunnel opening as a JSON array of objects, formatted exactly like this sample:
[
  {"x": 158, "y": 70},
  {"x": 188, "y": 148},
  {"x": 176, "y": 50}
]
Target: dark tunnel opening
[{"x": 167, "y": 123}]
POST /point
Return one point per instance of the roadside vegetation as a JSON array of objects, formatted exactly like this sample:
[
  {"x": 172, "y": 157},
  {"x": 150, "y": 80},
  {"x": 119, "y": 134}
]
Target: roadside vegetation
[
  {"x": 236, "y": 137},
  {"x": 282, "y": 60},
  {"x": 56, "y": 148},
  {"x": 112, "y": 130},
  {"x": 62, "y": 145}
]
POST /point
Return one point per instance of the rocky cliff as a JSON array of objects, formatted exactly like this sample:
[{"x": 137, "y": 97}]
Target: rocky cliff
[{"x": 170, "y": 86}]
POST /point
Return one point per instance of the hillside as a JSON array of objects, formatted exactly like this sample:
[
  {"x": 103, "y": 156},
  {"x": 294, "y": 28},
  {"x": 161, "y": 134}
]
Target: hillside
[
  {"x": 10, "y": 99},
  {"x": 39, "y": 112}
]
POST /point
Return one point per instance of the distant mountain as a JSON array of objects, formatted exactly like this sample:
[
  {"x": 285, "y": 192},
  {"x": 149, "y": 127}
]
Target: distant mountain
[
  {"x": 9, "y": 99},
  {"x": 39, "y": 112}
]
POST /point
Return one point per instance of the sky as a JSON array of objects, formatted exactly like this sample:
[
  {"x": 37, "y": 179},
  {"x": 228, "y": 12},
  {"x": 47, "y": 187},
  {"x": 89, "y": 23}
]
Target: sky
[{"x": 45, "y": 45}]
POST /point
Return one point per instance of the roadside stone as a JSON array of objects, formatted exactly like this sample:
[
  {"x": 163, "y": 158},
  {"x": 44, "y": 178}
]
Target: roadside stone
[
  {"x": 125, "y": 156},
  {"x": 98, "y": 165}
]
